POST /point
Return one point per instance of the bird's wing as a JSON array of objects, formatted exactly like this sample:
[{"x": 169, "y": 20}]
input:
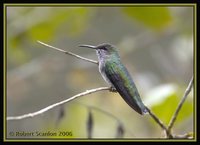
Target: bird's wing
[{"x": 122, "y": 81}]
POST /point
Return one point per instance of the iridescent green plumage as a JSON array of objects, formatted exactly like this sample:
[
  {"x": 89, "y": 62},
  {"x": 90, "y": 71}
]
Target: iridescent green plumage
[
  {"x": 123, "y": 83},
  {"x": 116, "y": 74}
]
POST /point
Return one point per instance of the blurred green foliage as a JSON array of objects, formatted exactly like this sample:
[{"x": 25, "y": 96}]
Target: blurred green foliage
[
  {"x": 168, "y": 106},
  {"x": 75, "y": 20},
  {"x": 164, "y": 100},
  {"x": 44, "y": 24},
  {"x": 156, "y": 18},
  {"x": 69, "y": 25}
]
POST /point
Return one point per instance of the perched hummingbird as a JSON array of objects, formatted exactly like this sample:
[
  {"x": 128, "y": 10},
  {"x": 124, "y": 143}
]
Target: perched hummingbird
[{"x": 116, "y": 74}]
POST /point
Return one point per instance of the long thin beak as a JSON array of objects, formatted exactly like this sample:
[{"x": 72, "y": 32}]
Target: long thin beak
[{"x": 88, "y": 46}]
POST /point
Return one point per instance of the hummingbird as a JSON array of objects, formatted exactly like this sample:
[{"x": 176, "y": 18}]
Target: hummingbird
[{"x": 116, "y": 75}]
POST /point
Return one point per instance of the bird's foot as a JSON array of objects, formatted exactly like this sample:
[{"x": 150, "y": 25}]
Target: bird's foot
[{"x": 112, "y": 89}]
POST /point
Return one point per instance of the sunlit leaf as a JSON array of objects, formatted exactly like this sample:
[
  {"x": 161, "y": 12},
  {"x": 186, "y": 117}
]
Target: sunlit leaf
[
  {"x": 156, "y": 18},
  {"x": 164, "y": 100},
  {"x": 159, "y": 94}
]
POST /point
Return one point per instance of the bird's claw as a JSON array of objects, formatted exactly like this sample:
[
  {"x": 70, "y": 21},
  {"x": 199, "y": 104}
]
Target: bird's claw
[{"x": 112, "y": 89}]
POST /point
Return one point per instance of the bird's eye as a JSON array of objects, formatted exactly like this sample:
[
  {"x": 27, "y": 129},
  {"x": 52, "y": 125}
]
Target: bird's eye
[{"x": 104, "y": 48}]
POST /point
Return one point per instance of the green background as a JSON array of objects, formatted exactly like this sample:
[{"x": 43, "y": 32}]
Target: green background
[{"x": 155, "y": 44}]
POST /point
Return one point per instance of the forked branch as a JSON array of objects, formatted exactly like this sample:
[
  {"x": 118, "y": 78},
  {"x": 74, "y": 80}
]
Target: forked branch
[
  {"x": 156, "y": 119},
  {"x": 57, "y": 104}
]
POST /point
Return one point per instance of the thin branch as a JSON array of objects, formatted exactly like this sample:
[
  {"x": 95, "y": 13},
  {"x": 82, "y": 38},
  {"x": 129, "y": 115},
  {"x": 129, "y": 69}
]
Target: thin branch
[
  {"x": 70, "y": 53},
  {"x": 56, "y": 104},
  {"x": 93, "y": 108},
  {"x": 187, "y": 91},
  {"x": 100, "y": 110},
  {"x": 156, "y": 119},
  {"x": 75, "y": 97},
  {"x": 184, "y": 136}
]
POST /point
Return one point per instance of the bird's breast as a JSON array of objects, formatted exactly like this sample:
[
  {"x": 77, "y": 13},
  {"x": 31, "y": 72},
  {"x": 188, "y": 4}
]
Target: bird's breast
[{"x": 102, "y": 72}]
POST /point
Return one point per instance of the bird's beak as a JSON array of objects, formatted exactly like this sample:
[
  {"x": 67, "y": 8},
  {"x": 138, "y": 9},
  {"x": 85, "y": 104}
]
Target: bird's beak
[{"x": 88, "y": 46}]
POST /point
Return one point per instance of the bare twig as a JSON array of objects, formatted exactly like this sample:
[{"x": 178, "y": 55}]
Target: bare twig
[
  {"x": 173, "y": 119},
  {"x": 156, "y": 119},
  {"x": 92, "y": 107},
  {"x": 56, "y": 104},
  {"x": 184, "y": 136},
  {"x": 67, "y": 52},
  {"x": 100, "y": 110}
]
